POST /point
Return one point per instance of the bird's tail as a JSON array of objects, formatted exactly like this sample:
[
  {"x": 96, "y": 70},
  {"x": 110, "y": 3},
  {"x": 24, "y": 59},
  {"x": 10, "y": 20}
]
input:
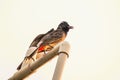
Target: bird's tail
[
  {"x": 19, "y": 67},
  {"x": 26, "y": 62}
]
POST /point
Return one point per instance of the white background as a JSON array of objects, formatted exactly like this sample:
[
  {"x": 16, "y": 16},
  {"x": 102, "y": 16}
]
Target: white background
[{"x": 95, "y": 39}]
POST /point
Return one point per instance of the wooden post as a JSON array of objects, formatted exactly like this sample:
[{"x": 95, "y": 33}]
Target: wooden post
[{"x": 63, "y": 54}]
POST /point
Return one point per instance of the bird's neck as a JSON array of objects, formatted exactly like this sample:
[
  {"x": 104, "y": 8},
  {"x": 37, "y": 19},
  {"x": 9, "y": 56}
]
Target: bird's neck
[{"x": 65, "y": 30}]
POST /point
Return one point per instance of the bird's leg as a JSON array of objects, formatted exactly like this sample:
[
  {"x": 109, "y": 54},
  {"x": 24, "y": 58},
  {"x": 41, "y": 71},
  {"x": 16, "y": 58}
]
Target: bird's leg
[
  {"x": 51, "y": 47},
  {"x": 45, "y": 52},
  {"x": 48, "y": 49}
]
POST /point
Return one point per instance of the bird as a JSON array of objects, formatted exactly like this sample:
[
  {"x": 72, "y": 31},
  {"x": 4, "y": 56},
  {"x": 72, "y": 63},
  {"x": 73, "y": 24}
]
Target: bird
[{"x": 46, "y": 42}]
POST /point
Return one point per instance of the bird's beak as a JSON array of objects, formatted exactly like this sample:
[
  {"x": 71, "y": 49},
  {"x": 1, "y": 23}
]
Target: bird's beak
[{"x": 71, "y": 27}]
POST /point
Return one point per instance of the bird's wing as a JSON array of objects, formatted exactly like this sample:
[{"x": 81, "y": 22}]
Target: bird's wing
[
  {"x": 39, "y": 37},
  {"x": 53, "y": 38}
]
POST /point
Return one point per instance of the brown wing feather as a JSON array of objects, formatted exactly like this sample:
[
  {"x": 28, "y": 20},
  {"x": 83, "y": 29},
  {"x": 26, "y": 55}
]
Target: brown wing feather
[
  {"x": 53, "y": 38},
  {"x": 39, "y": 37}
]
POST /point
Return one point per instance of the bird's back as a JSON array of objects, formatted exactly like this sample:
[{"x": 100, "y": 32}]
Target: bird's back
[{"x": 54, "y": 37}]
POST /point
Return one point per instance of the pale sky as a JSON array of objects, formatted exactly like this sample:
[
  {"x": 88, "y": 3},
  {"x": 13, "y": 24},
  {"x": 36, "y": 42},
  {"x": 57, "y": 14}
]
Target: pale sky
[{"x": 95, "y": 39}]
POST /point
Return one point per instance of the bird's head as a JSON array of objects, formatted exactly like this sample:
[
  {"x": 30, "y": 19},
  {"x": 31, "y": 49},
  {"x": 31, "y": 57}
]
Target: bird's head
[{"x": 64, "y": 26}]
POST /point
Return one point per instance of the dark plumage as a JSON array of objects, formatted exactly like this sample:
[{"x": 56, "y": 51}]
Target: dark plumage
[
  {"x": 45, "y": 42},
  {"x": 56, "y": 36}
]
